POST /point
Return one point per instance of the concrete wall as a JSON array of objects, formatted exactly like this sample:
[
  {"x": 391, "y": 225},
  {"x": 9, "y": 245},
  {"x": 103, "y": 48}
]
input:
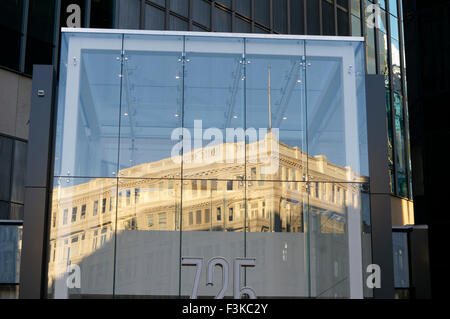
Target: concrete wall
[{"x": 15, "y": 95}]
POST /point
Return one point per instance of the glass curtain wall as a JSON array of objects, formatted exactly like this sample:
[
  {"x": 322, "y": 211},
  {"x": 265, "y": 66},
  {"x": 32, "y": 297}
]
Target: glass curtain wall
[
  {"x": 382, "y": 24},
  {"x": 203, "y": 166}
]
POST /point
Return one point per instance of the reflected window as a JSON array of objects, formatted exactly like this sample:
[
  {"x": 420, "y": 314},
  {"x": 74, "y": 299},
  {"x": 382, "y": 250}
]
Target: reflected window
[
  {"x": 95, "y": 209},
  {"x": 207, "y": 215},
  {"x": 74, "y": 214},
  {"x": 191, "y": 218},
  {"x": 219, "y": 213},
  {"x": 83, "y": 211},
  {"x": 65, "y": 216},
  {"x": 198, "y": 217}
]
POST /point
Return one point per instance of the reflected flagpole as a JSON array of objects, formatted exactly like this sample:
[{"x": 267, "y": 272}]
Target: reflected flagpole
[{"x": 270, "y": 106}]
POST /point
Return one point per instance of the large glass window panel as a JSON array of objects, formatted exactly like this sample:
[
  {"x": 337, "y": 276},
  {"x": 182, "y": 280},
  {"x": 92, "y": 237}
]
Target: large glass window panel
[
  {"x": 280, "y": 16},
  {"x": 102, "y": 14},
  {"x": 262, "y": 12},
  {"x": 276, "y": 118},
  {"x": 148, "y": 238},
  {"x": 356, "y": 26},
  {"x": 214, "y": 108},
  {"x": 226, "y": 3},
  {"x": 6, "y": 149},
  {"x": 313, "y": 17},
  {"x": 337, "y": 226},
  {"x": 241, "y": 26},
  {"x": 394, "y": 27},
  {"x": 10, "y": 249},
  {"x": 382, "y": 21},
  {"x": 222, "y": 20},
  {"x": 396, "y": 69},
  {"x": 154, "y": 18},
  {"x": 370, "y": 49},
  {"x": 383, "y": 57},
  {"x": 328, "y": 18},
  {"x": 40, "y": 33},
  {"x": 81, "y": 252},
  {"x": 155, "y": 216},
  {"x": 400, "y": 148},
  {"x": 18, "y": 175},
  {"x": 89, "y": 102},
  {"x": 401, "y": 259},
  {"x": 180, "y": 7},
  {"x": 342, "y": 3},
  {"x": 151, "y": 112},
  {"x": 11, "y": 14},
  {"x": 177, "y": 24},
  {"x": 212, "y": 226},
  {"x": 343, "y": 23},
  {"x": 201, "y": 12},
  {"x": 244, "y": 7},
  {"x": 276, "y": 236},
  {"x": 5, "y": 210},
  {"x": 390, "y": 134},
  {"x": 297, "y": 12},
  {"x": 129, "y": 13},
  {"x": 356, "y": 7},
  {"x": 337, "y": 132}
]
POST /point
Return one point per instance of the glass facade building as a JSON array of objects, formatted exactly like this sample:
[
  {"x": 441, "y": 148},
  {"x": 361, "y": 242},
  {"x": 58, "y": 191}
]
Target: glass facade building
[
  {"x": 31, "y": 33},
  {"x": 185, "y": 153},
  {"x": 381, "y": 23}
]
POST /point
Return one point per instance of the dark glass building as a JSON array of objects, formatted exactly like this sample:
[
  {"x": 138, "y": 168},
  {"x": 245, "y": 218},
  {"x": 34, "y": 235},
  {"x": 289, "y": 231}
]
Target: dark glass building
[{"x": 32, "y": 30}]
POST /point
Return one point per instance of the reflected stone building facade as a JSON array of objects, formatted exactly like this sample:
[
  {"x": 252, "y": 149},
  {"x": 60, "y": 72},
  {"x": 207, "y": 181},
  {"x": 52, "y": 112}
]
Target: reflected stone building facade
[
  {"x": 89, "y": 217},
  {"x": 207, "y": 153},
  {"x": 312, "y": 165}
]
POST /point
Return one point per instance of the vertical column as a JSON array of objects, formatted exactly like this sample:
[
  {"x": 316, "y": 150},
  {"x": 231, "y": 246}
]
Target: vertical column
[
  {"x": 380, "y": 202},
  {"x": 352, "y": 152},
  {"x": 37, "y": 184}
]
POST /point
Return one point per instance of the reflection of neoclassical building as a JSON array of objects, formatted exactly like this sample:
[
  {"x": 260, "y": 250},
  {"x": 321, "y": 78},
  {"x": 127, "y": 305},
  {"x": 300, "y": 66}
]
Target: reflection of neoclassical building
[{"x": 212, "y": 196}]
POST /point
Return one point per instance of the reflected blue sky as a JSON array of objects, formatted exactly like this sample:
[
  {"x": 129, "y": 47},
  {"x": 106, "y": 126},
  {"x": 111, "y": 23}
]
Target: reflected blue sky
[{"x": 159, "y": 86}]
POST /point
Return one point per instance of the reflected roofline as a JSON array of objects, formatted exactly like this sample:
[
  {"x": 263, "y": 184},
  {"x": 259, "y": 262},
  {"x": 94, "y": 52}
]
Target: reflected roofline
[{"x": 215, "y": 34}]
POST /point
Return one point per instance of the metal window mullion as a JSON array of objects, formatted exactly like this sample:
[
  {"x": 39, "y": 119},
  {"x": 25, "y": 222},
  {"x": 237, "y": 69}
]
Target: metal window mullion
[
  {"x": 233, "y": 16},
  {"x": 142, "y": 15},
  {"x": 271, "y": 15},
  {"x": 23, "y": 42},
  {"x": 320, "y": 18},
  {"x": 191, "y": 14},
  {"x": 252, "y": 16},
  {"x": 335, "y": 18},
  {"x": 349, "y": 14},
  {"x": 213, "y": 4},
  {"x": 167, "y": 17},
  {"x": 288, "y": 14},
  {"x": 305, "y": 22},
  {"x": 87, "y": 14}
]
